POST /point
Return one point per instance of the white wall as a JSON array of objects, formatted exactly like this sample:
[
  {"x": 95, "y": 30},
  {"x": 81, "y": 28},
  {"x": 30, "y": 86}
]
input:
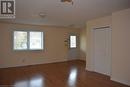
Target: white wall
[
  {"x": 120, "y": 24},
  {"x": 55, "y": 48},
  {"x": 83, "y": 44},
  {"x": 96, "y": 23},
  {"x": 121, "y": 46}
]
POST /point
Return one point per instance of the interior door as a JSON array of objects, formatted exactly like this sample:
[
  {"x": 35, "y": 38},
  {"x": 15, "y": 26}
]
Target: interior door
[{"x": 102, "y": 51}]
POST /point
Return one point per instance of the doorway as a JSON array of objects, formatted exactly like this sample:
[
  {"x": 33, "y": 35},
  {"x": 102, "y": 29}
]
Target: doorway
[{"x": 102, "y": 50}]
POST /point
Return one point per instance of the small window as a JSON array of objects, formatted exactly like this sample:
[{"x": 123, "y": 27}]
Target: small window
[
  {"x": 20, "y": 40},
  {"x": 73, "y": 41},
  {"x": 28, "y": 40},
  {"x": 36, "y": 40}
]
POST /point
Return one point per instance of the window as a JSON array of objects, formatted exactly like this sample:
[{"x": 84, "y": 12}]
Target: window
[
  {"x": 36, "y": 40},
  {"x": 20, "y": 40},
  {"x": 28, "y": 40},
  {"x": 73, "y": 41}
]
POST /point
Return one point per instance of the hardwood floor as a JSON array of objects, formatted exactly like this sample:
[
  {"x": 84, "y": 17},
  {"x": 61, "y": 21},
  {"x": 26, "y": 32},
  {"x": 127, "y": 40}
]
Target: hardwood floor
[{"x": 65, "y": 74}]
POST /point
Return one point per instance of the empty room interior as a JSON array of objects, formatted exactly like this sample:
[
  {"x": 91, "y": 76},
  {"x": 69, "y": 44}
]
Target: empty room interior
[{"x": 64, "y": 43}]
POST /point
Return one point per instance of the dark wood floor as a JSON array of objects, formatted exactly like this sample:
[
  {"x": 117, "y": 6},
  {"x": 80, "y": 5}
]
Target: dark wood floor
[{"x": 66, "y": 74}]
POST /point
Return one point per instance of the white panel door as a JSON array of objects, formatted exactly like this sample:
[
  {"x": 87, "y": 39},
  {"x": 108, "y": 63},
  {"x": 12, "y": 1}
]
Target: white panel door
[{"x": 102, "y": 51}]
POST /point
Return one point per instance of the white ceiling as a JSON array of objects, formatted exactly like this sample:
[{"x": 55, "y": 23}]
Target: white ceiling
[{"x": 65, "y": 14}]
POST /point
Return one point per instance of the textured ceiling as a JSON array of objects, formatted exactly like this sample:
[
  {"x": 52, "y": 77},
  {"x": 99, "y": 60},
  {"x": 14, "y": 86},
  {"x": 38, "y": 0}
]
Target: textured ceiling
[{"x": 65, "y": 14}]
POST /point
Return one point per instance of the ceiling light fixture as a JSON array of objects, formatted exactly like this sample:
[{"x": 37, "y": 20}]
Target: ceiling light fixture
[
  {"x": 70, "y": 1},
  {"x": 42, "y": 14}
]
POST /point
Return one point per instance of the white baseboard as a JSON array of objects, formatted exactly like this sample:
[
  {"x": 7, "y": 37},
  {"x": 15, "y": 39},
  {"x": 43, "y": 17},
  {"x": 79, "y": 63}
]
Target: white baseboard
[
  {"x": 121, "y": 81},
  {"x": 113, "y": 79},
  {"x": 84, "y": 59},
  {"x": 89, "y": 69},
  {"x": 45, "y": 62}
]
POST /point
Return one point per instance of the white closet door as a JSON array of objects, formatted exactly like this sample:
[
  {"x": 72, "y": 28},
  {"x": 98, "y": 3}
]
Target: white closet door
[{"x": 102, "y": 45}]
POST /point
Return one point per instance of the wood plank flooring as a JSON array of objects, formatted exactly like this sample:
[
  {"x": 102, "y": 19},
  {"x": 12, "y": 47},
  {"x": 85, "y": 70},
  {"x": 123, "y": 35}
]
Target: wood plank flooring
[{"x": 65, "y": 74}]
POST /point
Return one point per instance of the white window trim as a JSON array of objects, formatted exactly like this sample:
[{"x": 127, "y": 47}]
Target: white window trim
[
  {"x": 28, "y": 40},
  {"x": 70, "y": 42}
]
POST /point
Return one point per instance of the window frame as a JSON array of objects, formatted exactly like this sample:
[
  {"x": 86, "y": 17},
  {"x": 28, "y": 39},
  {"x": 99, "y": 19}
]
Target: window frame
[
  {"x": 28, "y": 40},
  {"x": 70, "y": 41},
  {"x": 42, "y": 38}
]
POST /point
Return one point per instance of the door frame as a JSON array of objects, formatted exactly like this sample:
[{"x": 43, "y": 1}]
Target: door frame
[{"x": 92, "y": 50}]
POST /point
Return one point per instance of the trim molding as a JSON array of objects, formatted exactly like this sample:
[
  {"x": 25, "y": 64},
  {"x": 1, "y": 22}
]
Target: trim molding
[
  {"x": 91, "y": 70},
  {"x": 121, "y": 81},
  {"x": 46, "y": 62}
]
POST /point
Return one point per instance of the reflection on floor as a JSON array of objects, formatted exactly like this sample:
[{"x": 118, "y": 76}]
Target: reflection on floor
[
  {"x": 34, "y": 82},
  {"x": 72, "y": 77},
  {"x": 65, "y": 74}
]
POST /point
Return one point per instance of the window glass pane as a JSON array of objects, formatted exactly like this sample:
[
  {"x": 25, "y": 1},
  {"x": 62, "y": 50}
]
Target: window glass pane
[
  {"x": 72, "y": 41},
  {"x": 36, "y": 40},
  {"x": 20, "y": 40}
]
